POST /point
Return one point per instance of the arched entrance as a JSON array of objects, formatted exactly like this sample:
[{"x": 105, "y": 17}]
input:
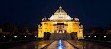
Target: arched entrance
[
  {"x": 73, "y": 35},
  {"x": 60, "y": 28},
  {"x": 60, "y": 33}
]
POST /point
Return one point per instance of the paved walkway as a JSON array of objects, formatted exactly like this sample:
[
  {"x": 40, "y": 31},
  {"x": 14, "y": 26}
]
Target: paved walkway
[
  {"x": 86, "y": 45},
  {"x": 60, "y": 45},
  {"x": 33, "y": 45}
]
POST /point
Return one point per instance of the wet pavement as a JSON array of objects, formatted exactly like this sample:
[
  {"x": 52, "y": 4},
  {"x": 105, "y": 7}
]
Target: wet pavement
[
  {"x": 87, "y": 45},
  {"x": 60, "y": 44},
  {"x": 33, "y": 45}
]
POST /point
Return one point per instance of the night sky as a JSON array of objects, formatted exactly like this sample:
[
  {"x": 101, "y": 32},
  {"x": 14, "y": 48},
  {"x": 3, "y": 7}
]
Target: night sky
[{"x": 92, "y": 13}]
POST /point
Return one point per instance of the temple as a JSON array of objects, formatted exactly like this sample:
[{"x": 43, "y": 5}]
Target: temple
[{"x": 60, "y": 22}]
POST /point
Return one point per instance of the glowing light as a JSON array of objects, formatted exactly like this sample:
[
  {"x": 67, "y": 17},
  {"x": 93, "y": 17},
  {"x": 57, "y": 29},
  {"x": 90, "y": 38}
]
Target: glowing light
[
  {"x": 35, "y": 36},
  {"x": 60, "y": 42},
  {"x": 88, "y": 36},
  {"x": 15, "y": 36},
  {"x": 60, "y": 45},
  {"x": 3, "y": 36},
  {"x": 60, "y": 16},
  {"x": 94, "y": 36},
  {"x": 57, "y": 31},
  {"x": 104, "y": 36},
  {"x": 68, "y": 17},
  {"x": 52, "y": 17},
  {"x": 60, "y": 32},
  {"x": 55, "y": 22},
  {"x": 25, "y": 36},
  {"x": 63, "y": 31},
  {"x": 76, "y": 19},
  {"x": 80, "y": 31},
  {"x": 67, "y": 23},
  {"x": 64, "y": 22},
  {"x": 84, "y": 36}
]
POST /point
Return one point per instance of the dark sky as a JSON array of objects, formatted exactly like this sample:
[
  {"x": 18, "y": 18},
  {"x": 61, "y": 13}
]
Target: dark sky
[{"x": 92, "y": 13}]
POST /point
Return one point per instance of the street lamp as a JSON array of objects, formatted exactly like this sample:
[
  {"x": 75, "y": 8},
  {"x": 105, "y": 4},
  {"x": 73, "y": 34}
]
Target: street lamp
[
  {"x": 35, "y": 36},
  {"x": 84, "y": 36},
  {"x": 88, "y": 36},
  {"x": 94, "y": 36},
  {"x": 25, "y": 36},
  {"x": 15, "y": 36},
  {"x": 104, "y": 36},
  {"x": 3, "y": 36}
]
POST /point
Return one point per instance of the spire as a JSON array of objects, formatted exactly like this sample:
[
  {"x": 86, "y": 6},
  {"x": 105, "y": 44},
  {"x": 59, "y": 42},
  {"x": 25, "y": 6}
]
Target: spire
[
  {"x": 60, "y": 10},
  {"x": 60, "y": 7}
]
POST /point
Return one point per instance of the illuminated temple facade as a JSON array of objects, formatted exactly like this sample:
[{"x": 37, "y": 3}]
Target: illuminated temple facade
[{"x": 60, "y": 23}]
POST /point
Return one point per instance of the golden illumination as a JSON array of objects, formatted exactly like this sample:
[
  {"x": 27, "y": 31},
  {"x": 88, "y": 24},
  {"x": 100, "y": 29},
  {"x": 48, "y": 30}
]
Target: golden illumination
[
  {"x": 0, "y": 29},
  {"x": 59, "y": 23}
]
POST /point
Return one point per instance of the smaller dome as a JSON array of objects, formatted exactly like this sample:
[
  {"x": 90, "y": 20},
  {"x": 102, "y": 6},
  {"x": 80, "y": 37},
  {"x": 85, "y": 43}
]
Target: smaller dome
[
  {"x": 76, "y": 19},
  {"x": 52, "y": 17},
  {"x": 68, "y": 17}
]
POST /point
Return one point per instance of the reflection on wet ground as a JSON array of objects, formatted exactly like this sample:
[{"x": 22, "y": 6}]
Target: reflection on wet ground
[
  {"x": 87, "y": 45},
  {"x": 34, "y": 45},
  {"x": 60, "y": 44}
]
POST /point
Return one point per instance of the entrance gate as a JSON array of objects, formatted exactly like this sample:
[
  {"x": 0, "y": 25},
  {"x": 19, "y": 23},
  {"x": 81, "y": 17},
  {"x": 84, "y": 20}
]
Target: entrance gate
[{"x": 60, "y": 33}]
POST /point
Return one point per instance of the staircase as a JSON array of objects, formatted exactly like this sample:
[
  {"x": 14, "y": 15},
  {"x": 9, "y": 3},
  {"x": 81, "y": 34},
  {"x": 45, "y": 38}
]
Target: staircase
[{"x": 58, "y": 36}]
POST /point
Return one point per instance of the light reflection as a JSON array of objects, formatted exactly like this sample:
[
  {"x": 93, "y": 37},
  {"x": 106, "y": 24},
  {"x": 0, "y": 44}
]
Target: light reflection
[{"x": 60, "y": 45}]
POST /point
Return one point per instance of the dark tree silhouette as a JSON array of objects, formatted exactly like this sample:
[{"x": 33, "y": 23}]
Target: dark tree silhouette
[{"x": 8, "y": 27}]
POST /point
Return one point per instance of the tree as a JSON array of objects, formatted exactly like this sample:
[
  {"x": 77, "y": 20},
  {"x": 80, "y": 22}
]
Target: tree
[
  {"x": 8, "y": 27},
  {"x": 23, "y": 30},
  {"x": 31, "y": 29}
]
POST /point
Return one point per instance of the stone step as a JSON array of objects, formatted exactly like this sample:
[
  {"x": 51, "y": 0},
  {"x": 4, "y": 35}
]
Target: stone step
[{"x": 60, "y": 36}]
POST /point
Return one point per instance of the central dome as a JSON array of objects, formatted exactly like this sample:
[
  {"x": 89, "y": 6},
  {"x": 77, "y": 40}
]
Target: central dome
[{"x": 60, "y": 14}]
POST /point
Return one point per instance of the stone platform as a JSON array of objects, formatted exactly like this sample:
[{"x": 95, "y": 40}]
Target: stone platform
[{"x": 60, "y": 36}]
